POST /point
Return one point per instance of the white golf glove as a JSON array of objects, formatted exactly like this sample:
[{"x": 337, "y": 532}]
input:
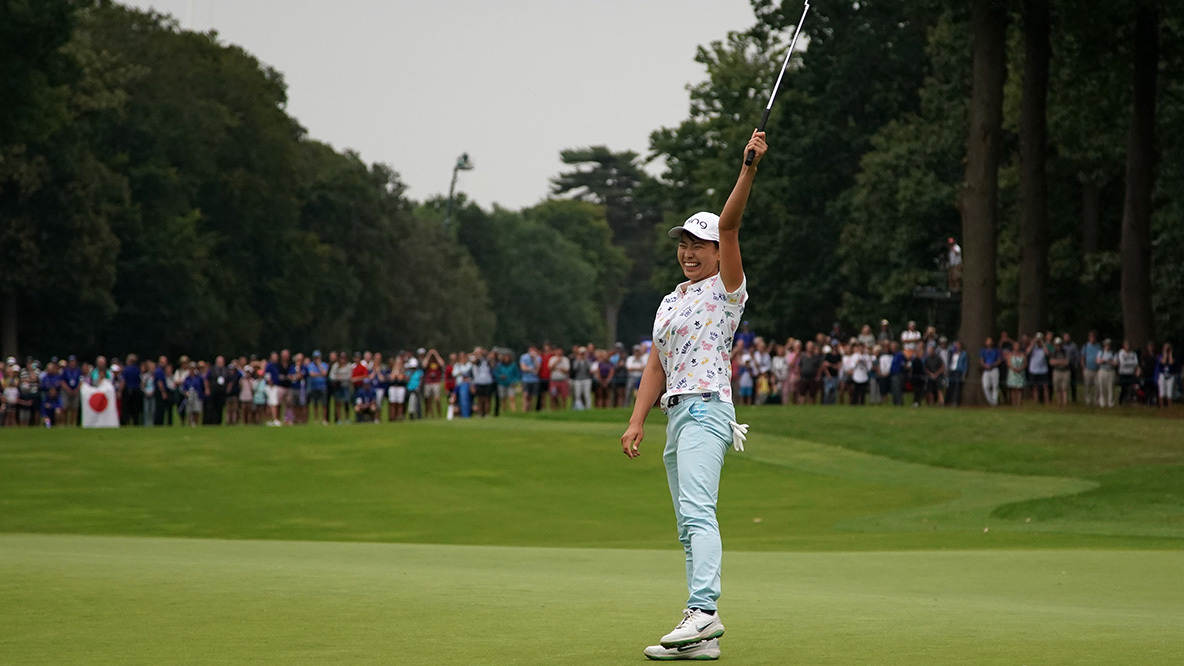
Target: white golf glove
[{"x": 739, "y": 434}]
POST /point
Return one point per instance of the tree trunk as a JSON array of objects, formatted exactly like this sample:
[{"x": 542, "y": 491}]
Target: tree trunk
[
  {"x": 1091, "y": 216},
  {"x": 1033, "y": 310},
  {"x": 8, "y": 328},
  {"x": 612, "y": 313},
  {"x": 979, "y": 196},
  {"x": 1140, "y": 181}
]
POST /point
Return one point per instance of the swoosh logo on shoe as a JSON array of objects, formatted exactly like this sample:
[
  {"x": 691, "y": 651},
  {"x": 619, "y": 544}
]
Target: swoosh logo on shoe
[{"x": 704, "y": 626}]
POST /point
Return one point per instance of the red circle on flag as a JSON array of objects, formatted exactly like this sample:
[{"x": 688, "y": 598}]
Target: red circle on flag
[{"x": 98, "y": 402}]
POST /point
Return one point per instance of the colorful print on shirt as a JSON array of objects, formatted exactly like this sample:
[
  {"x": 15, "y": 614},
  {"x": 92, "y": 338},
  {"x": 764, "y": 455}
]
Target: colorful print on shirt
[{"x": 693, "y": 332}]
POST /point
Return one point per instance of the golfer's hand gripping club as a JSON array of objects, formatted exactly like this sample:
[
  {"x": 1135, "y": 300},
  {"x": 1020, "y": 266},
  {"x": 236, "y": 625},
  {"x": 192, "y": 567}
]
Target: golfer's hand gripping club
[
  {"x": 756, "y": 148},
  {"x": 759, "y": 128}
]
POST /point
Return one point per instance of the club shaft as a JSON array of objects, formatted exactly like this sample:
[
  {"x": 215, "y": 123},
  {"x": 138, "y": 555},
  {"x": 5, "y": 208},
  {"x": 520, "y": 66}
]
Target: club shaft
[
  {"x": 788, "y": 54},
  {"x": 776, "y": 86}
]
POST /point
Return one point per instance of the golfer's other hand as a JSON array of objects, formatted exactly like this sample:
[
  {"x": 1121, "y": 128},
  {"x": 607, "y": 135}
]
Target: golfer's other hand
[{"x": 631, "y": 439}]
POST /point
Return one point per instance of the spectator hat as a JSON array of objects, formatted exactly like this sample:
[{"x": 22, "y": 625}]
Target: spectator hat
[
  {"x": 421, "y": 351},
  {"x": 943, "y": 339},
  {"x": 1057, "y": 341},
  {"x": 316, "y": 353},
  {"x": 825, "y": 349},
  {"x": 71, "y": 357},
  {"x": 702, "y": 225},
  {"x": 883, "y": 322},
  {"x": 950, "y": 240},
  {"x": 412, "y": 363}
]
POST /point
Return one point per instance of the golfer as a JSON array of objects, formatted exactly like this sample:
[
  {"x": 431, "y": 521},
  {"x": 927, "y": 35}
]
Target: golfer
[{"x": 690, "y": 368}]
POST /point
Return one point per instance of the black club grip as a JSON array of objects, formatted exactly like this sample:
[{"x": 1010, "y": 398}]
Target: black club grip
[{"x": 760, "y": 128}]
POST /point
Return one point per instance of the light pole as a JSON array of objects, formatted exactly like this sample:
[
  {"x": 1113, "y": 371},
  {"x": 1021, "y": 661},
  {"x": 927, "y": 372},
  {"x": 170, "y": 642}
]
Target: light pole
[{"x": 462, "y": 164}]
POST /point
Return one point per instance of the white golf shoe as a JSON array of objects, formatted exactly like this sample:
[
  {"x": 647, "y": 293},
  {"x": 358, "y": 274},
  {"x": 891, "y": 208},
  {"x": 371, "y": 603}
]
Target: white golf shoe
[
  {"x": 695, "y": 626},
  {"x": 703, "y": 650}
]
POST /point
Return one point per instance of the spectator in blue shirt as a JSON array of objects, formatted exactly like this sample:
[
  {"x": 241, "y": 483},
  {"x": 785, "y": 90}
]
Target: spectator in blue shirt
[
  {"x": 1089, "y": 367},
  {"x": 71, "y": 379},
  {"x": 745, "y": 335},
  {"x": 414, "y": 389},
  {"x": 318, "y": 388},
  {"x": 897, "y": 374},
  {"x": 164, "y": 395},
  {"x": 133, "y": 395},
  {"x": 51, "y": 407},
  {"x": 366, "y": 402},
  {"x": 989, "y": 360},
  {"x": 959, "y": 365},
  {"x": 529, "y": 365},
  {"x": 194, "y": 389}
]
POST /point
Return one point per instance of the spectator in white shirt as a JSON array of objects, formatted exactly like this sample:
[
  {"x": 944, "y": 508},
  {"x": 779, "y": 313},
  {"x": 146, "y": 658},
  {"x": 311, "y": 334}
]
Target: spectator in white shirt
[
  {"x": 1128, "y": 373},
  {"x": 635, "y": 366},
  {"x": 1107, "y": 362},
  {"x": 910, "y": 338},
  {"x": 858, "y": 367}
]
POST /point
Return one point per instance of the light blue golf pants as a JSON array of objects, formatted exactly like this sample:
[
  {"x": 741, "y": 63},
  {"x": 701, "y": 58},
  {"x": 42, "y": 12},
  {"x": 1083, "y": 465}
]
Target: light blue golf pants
[{"x": 697, "y": 436}]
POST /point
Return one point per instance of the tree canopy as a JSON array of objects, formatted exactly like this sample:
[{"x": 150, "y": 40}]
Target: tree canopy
[{"x": 156, "y": 195}]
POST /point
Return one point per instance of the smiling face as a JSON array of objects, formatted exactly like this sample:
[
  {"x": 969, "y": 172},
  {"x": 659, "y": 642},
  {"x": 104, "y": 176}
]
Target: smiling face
[{"x": 698, "y": 258}]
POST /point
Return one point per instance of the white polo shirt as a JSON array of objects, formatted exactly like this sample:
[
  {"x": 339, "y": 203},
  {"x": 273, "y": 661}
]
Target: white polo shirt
[
  {"x": 693, "y": 331},
  {"x": 909, "y": 339}
]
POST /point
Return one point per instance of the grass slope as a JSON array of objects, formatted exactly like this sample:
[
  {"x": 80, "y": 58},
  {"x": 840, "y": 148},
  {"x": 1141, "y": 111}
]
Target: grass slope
[
  {"x": 86, "y": 600},
  {"x": 563, "y": 482}
]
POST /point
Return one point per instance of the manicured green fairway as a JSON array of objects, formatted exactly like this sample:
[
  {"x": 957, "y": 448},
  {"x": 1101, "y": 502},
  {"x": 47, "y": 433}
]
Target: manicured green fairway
[{"x": 852, "y": 536}]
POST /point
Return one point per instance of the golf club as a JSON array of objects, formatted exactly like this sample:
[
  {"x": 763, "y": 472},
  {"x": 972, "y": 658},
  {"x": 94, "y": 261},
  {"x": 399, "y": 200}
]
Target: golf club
[{"x": 788, "y": 54}]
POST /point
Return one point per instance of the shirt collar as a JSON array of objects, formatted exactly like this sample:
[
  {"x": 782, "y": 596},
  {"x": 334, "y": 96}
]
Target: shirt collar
[{"x": 684, "y": 287}]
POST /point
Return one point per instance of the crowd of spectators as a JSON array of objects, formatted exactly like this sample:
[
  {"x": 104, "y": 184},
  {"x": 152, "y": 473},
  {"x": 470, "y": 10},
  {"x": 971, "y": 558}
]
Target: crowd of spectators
[
  {"x": 929, "y": 369},
  {"x": 289, "y": 388},
  {"x": 832, "y": 368}
]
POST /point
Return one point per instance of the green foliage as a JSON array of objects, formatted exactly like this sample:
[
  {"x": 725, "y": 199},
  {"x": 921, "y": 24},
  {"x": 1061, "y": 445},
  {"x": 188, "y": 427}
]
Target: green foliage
[
  {"x": 584, "y": 224},
  {"x": 631, "y": 201},
  {"x": 858, "y": 193},
  {"x": 234, "y": 230},
  {"x": 860, "y": 72},
  {"x": 542, "y": 283}
]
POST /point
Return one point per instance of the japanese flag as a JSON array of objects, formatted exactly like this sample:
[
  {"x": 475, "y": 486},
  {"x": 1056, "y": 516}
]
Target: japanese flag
[{"x": 98, "y": 406}]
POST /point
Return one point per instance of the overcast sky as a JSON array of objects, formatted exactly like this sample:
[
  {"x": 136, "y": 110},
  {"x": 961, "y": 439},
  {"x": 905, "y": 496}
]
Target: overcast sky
[{"x": 512, "y": 82}]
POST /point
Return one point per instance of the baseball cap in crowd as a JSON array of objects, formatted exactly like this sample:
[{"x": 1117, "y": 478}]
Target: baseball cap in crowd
[
  {"x": 71, "y": 357},
  {"x": 702, "y": 225},
  {"x": 412, "y": 363},
  {"x": 316, "y": 353}
]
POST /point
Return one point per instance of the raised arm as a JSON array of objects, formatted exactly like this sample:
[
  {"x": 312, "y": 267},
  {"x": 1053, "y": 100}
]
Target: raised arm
[{"x": 731, "y": 267}]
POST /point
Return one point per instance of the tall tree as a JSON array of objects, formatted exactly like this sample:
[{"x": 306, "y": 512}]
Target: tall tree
[
  {"x": 35, "y": 72},
  {"x": 616, "y": 181},
  {"x": 1140, "y": 182},
  {"x": 1034, "y": 231},
  {"x": 583, "y": 223},
  {"x": 979, "y": 199}
]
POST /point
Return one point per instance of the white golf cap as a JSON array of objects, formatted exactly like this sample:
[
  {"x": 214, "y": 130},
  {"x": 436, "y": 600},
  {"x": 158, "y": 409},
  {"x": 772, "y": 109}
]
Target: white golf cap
[{"x": 700, "y": 225}]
